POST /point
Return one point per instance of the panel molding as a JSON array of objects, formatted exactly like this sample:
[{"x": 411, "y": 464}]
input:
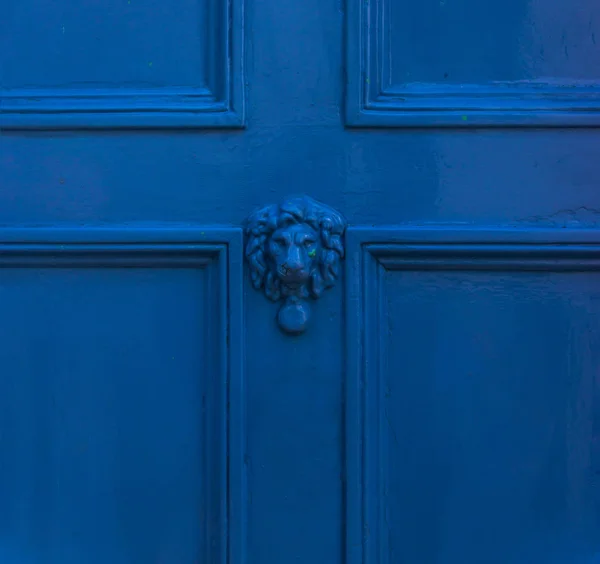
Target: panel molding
[
  {"x": 371, "y": 102},
  {"x": 370, "y": 253},
  {"x": 220, "y": 104},
  {"x": 219, "y": 252}
]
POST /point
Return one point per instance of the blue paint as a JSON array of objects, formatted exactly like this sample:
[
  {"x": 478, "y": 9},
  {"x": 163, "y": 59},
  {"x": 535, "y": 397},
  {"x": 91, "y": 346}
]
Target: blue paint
[
  {"x": 99, "y": 449},
  {"x": 119, "y": 68},
  {"x": 441, "y": 404},
  {"x": 428, "y": 65},
  {"x": 473, "y": 356}
]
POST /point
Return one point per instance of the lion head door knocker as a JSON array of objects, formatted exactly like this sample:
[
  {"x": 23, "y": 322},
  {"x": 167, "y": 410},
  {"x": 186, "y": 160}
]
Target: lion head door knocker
[{"x": 294, "y": 251}]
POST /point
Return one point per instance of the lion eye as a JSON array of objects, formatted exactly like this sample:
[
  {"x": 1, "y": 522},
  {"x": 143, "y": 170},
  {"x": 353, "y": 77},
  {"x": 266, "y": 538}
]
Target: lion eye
[{"x": 308, "y": 243}]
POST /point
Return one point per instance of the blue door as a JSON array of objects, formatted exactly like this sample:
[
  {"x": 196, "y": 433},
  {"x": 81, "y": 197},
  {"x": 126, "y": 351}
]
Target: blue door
[{"x": 302, "y": 282}]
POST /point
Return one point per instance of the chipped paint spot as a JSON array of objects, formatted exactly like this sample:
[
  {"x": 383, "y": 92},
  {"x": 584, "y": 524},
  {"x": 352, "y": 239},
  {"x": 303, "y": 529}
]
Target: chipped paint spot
[
  {"x": 464, "y": 118},
  {"x": 150, "y": 64},
  {"x": 312, "y": 253}
]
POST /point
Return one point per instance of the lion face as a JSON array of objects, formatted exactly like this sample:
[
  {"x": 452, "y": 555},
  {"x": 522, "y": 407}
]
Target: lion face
[
  {"x": 293, "y": 252},
  {"x": 294, "y": 249}
]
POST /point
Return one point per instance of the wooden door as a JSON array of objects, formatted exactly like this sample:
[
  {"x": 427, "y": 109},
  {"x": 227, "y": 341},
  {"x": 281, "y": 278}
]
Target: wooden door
[{"x": 299, "y": 282}]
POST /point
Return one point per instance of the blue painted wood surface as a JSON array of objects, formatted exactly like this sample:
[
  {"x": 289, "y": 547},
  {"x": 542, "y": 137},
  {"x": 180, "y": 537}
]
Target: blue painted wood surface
[{"x": 442, "y": 406}]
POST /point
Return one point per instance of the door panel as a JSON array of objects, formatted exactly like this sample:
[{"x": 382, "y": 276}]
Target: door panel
[
  {"x": 115, "y": 64},
  {"x": 472, "y": 389},
  {"x": 114, "y": 448},
  {"x": 441, "y": 63}
]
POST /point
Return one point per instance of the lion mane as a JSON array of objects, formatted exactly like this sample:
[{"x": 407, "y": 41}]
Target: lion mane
[{"x": 326, "y": 222}]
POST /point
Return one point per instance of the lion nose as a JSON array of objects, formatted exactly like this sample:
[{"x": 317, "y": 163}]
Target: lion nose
[{"x": 294, "y": 260}]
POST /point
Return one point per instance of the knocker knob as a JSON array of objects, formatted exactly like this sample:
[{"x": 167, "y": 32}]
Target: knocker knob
[{"x": 294, "y": 315}]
